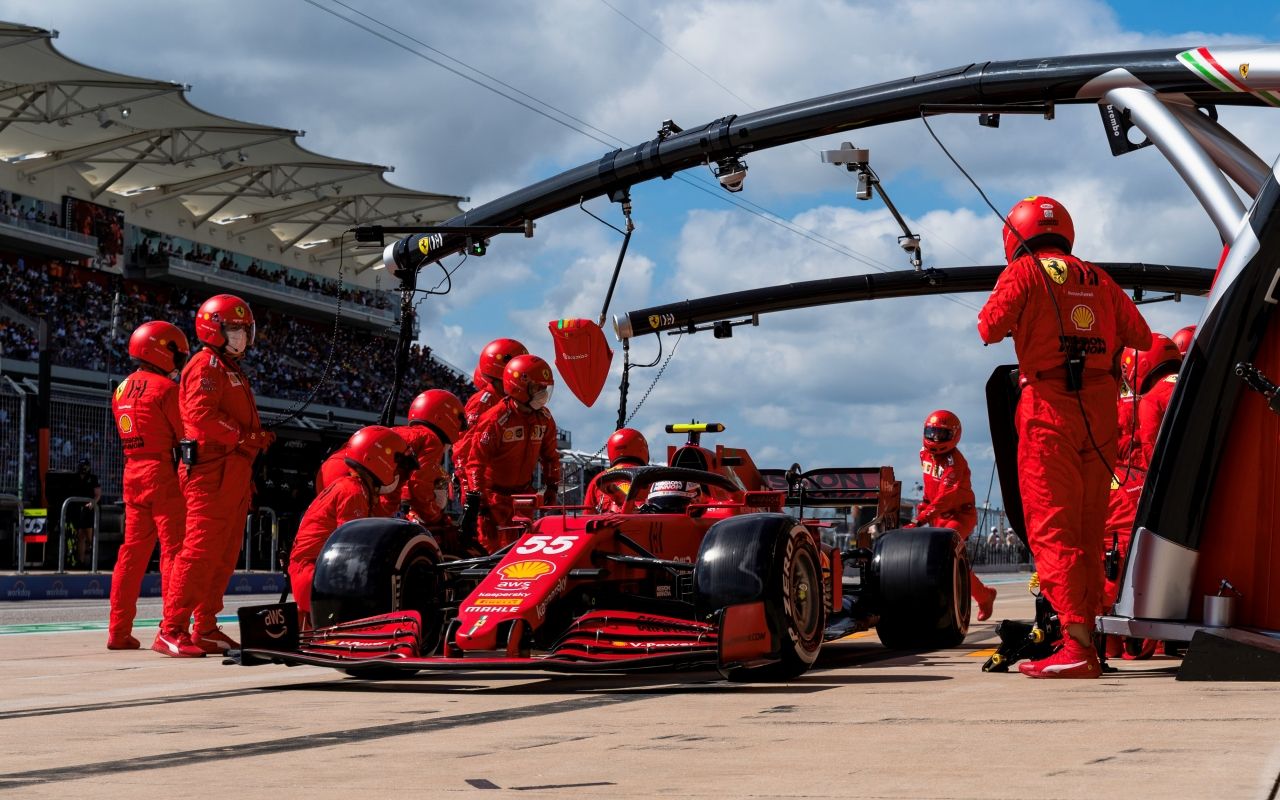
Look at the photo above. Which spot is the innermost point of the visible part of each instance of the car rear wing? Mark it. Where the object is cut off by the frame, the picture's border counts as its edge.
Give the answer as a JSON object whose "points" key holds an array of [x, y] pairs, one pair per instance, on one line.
{"points": [[836, 486]]}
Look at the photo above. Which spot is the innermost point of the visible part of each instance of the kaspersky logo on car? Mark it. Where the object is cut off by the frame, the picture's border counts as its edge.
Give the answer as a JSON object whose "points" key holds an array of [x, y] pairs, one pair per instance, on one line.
{"points": [[526, 570]]}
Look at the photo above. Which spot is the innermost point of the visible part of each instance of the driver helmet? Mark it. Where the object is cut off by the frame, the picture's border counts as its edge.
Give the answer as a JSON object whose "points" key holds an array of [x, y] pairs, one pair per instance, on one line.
{"points": [[672, 497]]}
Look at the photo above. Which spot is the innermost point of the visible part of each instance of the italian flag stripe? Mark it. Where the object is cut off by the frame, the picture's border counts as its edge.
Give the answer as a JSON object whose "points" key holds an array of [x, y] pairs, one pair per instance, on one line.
{"points": [[1207, 56], [1204, 72], [1206, 66]]}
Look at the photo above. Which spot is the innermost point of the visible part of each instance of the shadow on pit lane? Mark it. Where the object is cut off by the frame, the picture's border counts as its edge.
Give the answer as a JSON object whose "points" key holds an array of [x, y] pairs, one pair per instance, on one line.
{"points": [[820, 679]]}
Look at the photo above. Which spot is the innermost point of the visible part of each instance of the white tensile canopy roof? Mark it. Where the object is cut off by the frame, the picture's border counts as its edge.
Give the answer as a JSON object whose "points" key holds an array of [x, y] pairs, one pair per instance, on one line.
{"points": [[143, 140]]}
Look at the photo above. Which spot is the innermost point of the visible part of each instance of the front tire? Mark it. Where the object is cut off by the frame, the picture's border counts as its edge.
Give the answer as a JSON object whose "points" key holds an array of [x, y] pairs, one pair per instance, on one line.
{"points": [[378, 566], [768, 558], [923, 580]]}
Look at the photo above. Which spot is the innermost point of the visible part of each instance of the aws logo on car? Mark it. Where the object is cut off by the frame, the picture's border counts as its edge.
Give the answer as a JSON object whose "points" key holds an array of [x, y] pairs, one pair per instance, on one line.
{"points": [[529, 570]]}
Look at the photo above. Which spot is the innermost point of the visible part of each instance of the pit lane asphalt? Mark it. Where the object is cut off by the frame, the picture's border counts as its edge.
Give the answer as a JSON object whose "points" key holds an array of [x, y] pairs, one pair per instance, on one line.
{"points": [[76, 719]]}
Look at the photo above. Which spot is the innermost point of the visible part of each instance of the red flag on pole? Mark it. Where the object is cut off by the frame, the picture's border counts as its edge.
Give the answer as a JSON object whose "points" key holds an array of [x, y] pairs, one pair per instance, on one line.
{"points": [[583, 356]]}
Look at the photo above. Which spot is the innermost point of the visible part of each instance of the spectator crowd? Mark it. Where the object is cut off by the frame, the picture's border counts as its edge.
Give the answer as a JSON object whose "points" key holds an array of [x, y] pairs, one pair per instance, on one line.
{"points": [[286, 362], [159, 251]]}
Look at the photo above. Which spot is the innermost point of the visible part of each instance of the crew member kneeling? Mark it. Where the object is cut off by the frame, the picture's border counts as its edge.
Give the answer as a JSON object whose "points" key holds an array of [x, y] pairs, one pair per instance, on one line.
{"points": [[1068, 320], [375, 459]]}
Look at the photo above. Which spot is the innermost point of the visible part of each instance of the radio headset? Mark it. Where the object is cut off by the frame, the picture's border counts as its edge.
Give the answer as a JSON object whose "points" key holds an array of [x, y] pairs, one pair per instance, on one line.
{"points": [[1074, 357]]}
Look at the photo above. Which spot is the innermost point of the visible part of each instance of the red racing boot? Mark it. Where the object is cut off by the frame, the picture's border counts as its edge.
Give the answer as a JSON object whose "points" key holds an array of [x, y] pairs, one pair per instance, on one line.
{"points": [[214, 642], [176, 646], [985, 595], [1074, 660], [123, 643]]}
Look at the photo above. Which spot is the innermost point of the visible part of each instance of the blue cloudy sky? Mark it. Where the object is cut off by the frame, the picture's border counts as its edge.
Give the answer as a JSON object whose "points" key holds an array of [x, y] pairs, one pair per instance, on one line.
{"points": [[839, 385]]}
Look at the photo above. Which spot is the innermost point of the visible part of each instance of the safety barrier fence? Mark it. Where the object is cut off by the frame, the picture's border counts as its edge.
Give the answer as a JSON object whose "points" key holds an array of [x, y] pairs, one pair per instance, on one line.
{"points": [[254, 532]]}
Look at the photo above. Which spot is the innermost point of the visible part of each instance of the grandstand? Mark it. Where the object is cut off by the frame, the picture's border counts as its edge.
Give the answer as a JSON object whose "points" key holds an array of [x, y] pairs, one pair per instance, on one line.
{"points": [[120, 201]]}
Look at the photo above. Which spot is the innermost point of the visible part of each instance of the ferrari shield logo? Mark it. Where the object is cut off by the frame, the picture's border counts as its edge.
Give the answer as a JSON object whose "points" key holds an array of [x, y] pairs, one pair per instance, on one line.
{"points": [[654, 320], [1055, 269], [1244, 70]]}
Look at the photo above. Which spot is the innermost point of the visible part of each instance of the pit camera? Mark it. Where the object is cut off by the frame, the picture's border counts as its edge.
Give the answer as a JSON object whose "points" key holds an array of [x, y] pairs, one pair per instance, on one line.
{"points": [[854, 159], [731, 173]]}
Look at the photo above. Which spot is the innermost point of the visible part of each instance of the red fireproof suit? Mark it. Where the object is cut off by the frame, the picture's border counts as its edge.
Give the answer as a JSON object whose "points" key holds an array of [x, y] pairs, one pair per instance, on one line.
{"points": [[1151, 410], [504, 447], [345, 499], [609, 499], [418, 491], [1126, 428], [1123, 509], [475, 408], [145, 408], [948, 501], [218, 411], [1053, 303]]}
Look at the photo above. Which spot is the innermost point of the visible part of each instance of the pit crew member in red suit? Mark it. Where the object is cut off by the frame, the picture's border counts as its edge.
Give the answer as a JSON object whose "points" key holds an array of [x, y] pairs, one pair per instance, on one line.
{"points": [[375, 457], [435, 421], [1068, 320], [218, 414], [948, 500], [145, 408], [627, 447], [505, 446], [488, 380], [1151, 373], [1160, 381]]}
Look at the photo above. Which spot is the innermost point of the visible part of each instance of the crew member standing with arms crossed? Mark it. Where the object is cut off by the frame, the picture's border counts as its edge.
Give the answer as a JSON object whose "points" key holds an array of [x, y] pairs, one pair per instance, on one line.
{"points": [[1068, 320], [222, 435], [145, 408]]}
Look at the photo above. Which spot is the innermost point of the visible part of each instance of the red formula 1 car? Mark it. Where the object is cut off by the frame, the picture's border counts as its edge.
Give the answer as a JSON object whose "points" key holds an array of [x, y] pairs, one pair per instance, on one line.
{"points": [[730, 582]]}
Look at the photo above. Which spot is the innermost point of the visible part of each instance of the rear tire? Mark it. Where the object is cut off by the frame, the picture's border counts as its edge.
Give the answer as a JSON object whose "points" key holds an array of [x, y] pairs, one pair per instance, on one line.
{"points": [[378, 566], [767, 558], [923, 580]]}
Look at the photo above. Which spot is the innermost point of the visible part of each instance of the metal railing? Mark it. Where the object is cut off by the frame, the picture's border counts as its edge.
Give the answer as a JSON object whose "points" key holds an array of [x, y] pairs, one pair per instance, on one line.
{"points": [[248, 537], [62, 533], [48, 230], [387, 315]]}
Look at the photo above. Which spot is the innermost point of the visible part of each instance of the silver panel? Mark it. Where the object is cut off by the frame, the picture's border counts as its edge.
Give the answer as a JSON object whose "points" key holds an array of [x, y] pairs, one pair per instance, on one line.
{"points": [[1187, 157], [1157, 578], [1150, 628]]}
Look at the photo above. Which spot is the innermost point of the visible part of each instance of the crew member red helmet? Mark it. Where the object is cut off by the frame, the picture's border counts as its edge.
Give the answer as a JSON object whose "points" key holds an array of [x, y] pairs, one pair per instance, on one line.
{"points": [[220, 312], [159, 344], [1041, 221], [525, 376], [379, 452], [1140, 370], [440, 410], [1183, 338], [493, 360], [628, 444], [941, 431]]}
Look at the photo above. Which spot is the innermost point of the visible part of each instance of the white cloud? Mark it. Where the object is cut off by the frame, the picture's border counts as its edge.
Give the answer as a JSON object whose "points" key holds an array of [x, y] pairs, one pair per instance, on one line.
{"points": [[835, 385]]}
